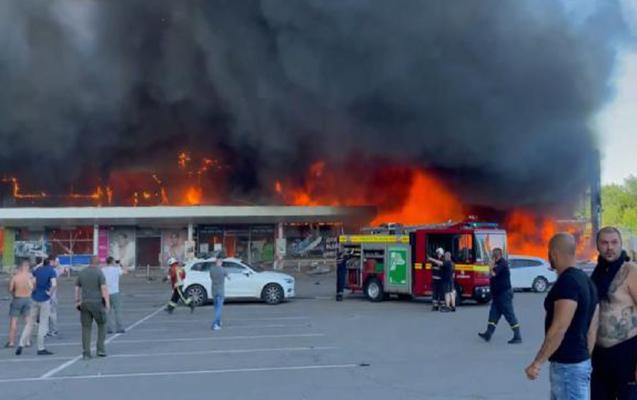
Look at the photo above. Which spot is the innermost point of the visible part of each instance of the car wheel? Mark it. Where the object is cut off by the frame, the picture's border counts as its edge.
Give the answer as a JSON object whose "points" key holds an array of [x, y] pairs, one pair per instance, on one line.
{"points": [[272, 293], [540, 284], [374, 290], [198, 295]]}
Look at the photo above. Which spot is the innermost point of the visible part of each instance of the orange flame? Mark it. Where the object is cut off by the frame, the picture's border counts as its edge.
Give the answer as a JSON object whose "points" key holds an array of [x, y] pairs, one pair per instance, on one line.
{"points": [[428, 202], [193, 196]]}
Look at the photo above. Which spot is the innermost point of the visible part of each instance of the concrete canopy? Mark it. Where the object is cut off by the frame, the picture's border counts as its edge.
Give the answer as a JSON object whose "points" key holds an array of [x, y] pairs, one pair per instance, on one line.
{"points": [[179, 216]]}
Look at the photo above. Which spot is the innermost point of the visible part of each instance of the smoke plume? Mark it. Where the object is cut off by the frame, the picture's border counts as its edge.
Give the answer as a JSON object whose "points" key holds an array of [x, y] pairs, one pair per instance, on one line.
{"points": [[495, 97]]}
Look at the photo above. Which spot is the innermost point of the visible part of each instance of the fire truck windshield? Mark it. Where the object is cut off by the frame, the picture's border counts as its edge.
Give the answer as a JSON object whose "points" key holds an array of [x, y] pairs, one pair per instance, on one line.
{"points": [[486, 242]]}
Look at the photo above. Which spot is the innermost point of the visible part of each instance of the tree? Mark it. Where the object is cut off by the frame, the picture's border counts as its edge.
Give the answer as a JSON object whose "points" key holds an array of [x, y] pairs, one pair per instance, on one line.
{"points": [[619, 205]]}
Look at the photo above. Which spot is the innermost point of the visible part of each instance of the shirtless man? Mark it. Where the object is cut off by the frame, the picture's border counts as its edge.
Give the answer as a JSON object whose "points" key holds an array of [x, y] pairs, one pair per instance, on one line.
{"points": [[20, 287], [615, 355]]}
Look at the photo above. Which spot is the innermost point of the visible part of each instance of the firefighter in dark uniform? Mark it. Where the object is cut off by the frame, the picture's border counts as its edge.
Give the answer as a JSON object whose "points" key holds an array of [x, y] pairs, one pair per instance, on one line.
{"points": [[437, 296], [177, 276], [341, 274], [502, 303]]}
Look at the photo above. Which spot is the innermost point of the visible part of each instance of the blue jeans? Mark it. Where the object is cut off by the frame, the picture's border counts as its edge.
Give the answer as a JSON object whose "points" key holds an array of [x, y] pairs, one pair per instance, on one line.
{"points": [[571, 381], [218, 309]]}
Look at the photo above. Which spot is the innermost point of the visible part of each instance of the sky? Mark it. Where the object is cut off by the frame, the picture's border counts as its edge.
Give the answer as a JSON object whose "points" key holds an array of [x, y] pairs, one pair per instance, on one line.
{"points": [[617, 124]]}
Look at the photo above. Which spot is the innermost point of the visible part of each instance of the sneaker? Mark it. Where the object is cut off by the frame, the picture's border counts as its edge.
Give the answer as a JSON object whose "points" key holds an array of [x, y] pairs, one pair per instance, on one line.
{"points": [[435, 308], [18, 351], [216, 327], [101, 354], [445, 310], [44, 353], [515, 341], [169, 310], [484, 336], [110, 331], [121, 331]]}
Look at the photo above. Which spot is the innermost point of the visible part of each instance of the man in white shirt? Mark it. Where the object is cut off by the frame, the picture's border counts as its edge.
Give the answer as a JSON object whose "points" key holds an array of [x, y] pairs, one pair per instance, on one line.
{"points": [[112, 273]]}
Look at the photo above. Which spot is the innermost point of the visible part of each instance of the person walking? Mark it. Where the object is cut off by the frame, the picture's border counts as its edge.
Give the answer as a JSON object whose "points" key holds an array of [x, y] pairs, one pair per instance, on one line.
{"points": [[112, 273], [571, 322], [437, 295], [218, 275], [177, 276], [502, 303], [615, 356], [20, 288], [93, 302], [53, 315], [45, 284]]}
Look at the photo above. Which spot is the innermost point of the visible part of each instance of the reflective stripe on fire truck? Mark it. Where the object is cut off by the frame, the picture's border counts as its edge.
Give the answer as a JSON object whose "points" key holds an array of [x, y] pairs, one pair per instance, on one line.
{"points": [[374, 239], [418, 266], [474, 268]]}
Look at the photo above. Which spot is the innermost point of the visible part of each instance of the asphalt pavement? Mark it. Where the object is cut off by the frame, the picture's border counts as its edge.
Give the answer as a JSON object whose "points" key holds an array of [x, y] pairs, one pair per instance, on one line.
{"points": [[308, 348]]}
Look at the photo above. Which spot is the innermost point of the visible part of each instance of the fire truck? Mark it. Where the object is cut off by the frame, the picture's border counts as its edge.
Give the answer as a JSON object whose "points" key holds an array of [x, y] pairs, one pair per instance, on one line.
{"points": [[393, 259]]}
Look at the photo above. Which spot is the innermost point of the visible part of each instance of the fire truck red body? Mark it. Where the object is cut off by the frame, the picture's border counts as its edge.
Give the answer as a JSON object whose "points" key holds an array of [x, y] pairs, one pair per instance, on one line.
{"points": [[393, 259]]}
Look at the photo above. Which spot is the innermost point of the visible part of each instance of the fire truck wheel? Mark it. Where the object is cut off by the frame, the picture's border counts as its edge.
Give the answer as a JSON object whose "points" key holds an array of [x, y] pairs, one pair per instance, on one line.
{"points": [[272, 294], [374, 290], [540, 284], [198, 294]]}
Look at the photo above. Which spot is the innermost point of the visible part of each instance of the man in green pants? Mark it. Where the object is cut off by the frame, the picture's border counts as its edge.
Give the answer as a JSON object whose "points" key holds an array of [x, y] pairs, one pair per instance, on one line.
{"points": [[91, 298]]}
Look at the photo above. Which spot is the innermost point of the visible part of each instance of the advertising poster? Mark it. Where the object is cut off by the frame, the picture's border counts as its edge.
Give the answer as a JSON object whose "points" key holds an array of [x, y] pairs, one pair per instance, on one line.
{"points": [[173, 245], [102, 244], [122, 246]]}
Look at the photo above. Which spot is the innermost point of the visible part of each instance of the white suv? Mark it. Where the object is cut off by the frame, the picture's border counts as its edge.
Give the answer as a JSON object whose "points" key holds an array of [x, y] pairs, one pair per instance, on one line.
{"points": [[246, 282], [531, 273]]}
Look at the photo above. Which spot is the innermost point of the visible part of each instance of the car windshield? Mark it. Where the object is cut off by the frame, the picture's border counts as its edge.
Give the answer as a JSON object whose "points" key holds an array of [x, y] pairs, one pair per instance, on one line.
{"points": [[486, 242]]}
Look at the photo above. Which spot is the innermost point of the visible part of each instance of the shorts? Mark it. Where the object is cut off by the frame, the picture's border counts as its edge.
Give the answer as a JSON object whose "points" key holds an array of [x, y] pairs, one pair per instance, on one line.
{"points": [[447, 287], [20, 307]]}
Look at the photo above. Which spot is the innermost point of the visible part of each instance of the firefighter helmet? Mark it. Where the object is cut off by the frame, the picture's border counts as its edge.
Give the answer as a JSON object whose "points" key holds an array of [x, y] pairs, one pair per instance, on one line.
{"points": [[172, 261]]}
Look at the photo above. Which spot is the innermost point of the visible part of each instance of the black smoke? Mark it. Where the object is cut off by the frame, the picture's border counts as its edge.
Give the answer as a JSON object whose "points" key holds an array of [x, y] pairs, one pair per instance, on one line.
{"points": [[496, 97]]}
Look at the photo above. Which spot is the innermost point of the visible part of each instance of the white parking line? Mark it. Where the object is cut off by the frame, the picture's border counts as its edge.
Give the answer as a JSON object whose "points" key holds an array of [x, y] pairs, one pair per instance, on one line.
{"points": [[231, 320], [67, 364], [176, 373], [200, 339], [182, 353], [232, 327]]}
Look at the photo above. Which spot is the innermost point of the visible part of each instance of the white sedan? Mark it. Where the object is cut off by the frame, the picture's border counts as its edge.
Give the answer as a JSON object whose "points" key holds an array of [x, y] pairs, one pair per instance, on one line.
{"points": [[531, 273], [245, 282]]}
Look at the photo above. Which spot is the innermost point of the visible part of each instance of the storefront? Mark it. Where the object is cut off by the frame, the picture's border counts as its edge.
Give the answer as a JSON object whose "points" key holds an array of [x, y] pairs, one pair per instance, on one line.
{"points": [[148, 237]]}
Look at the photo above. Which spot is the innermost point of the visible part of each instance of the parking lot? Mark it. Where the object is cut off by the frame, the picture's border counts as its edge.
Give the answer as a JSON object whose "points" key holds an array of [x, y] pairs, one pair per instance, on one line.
{"points": [[309, 348]]}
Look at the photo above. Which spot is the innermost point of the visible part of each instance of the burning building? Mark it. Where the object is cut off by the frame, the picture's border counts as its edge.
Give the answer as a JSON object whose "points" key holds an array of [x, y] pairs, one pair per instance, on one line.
{"points": [[427, 111]]}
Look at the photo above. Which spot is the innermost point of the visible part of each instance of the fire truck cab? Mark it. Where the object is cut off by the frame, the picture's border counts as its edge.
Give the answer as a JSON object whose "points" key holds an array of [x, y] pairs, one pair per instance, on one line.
{"points": [[392, 259]]}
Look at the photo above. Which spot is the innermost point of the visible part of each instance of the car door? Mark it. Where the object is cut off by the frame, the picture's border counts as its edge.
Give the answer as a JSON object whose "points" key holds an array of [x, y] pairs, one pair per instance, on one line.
{"points": [[199, 274], [518, 274], [237, 283]]}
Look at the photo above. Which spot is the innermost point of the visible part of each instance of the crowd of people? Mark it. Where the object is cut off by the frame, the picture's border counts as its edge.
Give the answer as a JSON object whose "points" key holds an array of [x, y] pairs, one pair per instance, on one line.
{"points": [[33, 290]]}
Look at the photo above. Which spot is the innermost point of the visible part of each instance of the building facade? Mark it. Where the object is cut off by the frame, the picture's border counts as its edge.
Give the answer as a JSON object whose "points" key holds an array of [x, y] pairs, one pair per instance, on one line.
{"points": [[149, 236]]}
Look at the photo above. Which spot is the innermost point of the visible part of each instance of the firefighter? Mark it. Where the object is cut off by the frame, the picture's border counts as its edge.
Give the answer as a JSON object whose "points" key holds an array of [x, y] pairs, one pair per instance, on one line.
{"points": [[341, 273], [437, 296], [502, 303], [177, 276]]}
